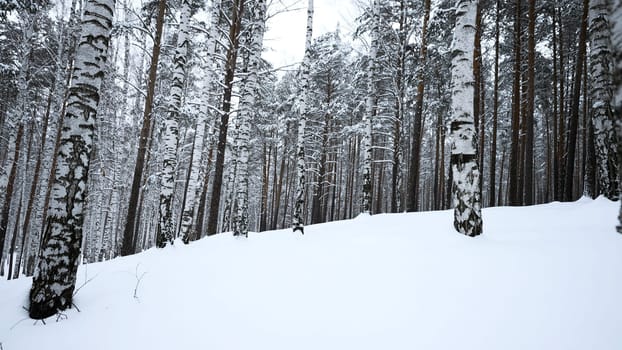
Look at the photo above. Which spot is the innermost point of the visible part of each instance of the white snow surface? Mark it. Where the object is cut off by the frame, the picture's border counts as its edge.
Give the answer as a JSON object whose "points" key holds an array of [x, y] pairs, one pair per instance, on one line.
{"points": [[541, 277]]}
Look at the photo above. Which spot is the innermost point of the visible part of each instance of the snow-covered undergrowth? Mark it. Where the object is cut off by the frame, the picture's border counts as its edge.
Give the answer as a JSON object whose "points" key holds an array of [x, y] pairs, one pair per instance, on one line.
{"points": [[542, 277]]}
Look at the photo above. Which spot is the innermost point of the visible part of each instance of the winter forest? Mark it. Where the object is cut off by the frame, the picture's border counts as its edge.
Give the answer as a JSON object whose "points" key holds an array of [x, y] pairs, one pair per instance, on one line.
{"points": [[127, 125]]}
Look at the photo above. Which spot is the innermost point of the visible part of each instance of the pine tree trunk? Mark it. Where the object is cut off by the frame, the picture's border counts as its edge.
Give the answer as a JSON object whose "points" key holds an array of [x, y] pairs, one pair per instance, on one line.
{"points": [[529, 113], [562, 110], [128, 245], [513, 186], [495, 114], [230, 67], [417, 137], [573, 124], [466, 177], [55, 278]]}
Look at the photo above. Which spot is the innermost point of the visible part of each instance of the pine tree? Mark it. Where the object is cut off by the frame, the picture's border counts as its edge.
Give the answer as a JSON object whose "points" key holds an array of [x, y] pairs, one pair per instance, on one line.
{"points": [[133, 213], [466, 175], [55, 278]]}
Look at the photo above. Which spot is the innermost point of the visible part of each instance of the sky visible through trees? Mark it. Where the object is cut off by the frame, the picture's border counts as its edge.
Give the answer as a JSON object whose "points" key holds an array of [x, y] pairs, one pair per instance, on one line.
{"points": [[126, 125]]}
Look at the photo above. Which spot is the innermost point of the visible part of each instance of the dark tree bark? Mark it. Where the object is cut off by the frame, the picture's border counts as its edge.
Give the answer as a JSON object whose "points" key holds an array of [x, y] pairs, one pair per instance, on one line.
{"points": [[415, 155], [514, 173], [573, 123], [128, 245], [529, 113], [230, 66], [495, 114]]}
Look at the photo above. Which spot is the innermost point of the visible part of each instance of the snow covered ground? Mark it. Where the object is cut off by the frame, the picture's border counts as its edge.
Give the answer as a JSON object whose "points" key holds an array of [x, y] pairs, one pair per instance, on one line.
{"points": [[542, 277]]}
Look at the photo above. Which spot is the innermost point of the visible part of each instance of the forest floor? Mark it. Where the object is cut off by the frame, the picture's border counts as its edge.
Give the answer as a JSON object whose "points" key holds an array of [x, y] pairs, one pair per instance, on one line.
{"points": [[541, 277]]}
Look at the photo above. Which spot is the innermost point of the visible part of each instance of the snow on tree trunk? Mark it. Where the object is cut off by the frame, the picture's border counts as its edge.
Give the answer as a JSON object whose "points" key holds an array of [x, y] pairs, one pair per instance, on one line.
{"points": [[466, 176], [166, 225], [602, 113], [370, 111], [616, 39], [297, 221], [247, 102], [55, 277], [187, 217]]}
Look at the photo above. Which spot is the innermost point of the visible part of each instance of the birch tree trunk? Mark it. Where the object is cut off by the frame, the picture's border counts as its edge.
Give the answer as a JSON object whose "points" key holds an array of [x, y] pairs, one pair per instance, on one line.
{"points": [[602, 112], [247, 102], [616, 39], [466, 175], [187, 218], [370, 110], [298, 215], [166, 225], [55, 277]]}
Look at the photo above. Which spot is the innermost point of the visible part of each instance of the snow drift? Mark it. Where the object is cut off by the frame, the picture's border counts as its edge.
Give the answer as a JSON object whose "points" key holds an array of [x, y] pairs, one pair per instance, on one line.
{"points": [[541, 277]]}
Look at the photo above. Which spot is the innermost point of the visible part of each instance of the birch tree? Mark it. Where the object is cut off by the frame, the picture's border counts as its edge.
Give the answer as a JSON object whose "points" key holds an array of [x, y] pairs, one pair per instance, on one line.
{"points": [[616, 38], [370, 110], [247, 101], [465, 172], [55, 278], [166, 226], [299, 205], [602, 112], [190, 205]]}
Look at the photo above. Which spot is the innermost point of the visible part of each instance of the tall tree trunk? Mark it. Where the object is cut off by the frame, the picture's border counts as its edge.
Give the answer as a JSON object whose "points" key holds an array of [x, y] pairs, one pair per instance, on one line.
{"points": [[616, 40], [417, 136], [561, 152], [529, 113], [556, 156], [166, 227], [573, 124], [55, 278], [128, 245], [247, 103], [230, 67], [4, 219], [466, 176], [370, 112], [513, 186], [602, 112], [299, 202], [495, 114]]}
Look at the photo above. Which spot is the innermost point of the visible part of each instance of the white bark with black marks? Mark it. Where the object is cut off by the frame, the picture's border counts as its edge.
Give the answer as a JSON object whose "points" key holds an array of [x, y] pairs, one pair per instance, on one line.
{"points": [[602, 112], [166, 225], [254, 44], [299, 204], [370, 110], [466, 174], [55, 277]]}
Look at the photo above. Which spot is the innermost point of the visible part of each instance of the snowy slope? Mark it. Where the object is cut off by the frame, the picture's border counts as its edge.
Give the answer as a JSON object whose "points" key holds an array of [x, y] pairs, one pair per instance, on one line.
{"points": [[543, 277]]}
